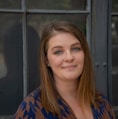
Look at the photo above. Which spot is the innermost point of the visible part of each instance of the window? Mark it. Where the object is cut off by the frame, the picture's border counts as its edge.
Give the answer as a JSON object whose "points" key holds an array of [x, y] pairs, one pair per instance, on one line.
{"points": [[21, 26], [115, 54]]}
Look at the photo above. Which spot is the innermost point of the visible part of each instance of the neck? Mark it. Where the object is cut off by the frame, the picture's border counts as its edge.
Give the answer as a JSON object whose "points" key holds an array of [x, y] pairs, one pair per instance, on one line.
{"points": [[67, 89]]}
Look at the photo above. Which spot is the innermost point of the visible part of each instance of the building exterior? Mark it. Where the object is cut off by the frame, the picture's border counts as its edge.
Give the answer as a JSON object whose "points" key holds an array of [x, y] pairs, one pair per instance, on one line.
{"points": [[21, 23]]}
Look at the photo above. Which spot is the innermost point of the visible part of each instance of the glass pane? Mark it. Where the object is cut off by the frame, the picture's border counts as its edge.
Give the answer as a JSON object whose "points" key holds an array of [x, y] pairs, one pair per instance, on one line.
{"points": [[10, 4], [33, 54], [57, 4], [115, 60], [11, 63], [36, 23], [115, 5]]}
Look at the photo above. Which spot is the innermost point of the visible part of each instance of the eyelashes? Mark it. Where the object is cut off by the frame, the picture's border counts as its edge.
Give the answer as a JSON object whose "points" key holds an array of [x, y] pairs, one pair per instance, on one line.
{"points": [[58, 52], [74, 49]]}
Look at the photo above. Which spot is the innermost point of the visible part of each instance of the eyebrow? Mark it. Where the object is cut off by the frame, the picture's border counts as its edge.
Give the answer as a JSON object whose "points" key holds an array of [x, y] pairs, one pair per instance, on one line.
{"points": [[78, 43]]}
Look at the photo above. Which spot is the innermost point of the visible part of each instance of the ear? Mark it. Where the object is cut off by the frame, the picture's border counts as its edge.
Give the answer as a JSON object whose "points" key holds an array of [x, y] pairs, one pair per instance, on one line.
{"points": [[47, 62]]}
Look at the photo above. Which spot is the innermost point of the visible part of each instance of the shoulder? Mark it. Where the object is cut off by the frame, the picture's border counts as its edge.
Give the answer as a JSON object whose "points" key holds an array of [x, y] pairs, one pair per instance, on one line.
{"points": [[102, 99], [30, 106], [33, 100], [104, 108]]}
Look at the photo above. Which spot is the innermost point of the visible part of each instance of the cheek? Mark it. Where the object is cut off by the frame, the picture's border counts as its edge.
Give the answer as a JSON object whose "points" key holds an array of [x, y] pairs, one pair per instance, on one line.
{"points": [[54, 62], [80, 59]]}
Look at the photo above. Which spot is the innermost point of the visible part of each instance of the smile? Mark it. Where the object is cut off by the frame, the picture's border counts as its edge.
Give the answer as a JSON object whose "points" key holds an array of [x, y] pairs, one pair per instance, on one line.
{"points": [[70, 67]]}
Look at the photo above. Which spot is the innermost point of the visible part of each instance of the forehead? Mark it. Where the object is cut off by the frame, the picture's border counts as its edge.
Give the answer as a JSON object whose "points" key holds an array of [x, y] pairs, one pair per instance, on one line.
{"points": [[62, 39]]}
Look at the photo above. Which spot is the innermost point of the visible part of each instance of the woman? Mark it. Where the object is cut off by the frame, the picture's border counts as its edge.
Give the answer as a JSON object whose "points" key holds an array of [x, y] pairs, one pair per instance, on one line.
{"points": [[67, 88]]}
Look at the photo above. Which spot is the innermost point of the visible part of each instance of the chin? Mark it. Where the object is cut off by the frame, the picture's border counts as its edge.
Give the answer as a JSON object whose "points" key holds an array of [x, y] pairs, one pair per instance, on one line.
{"points": [[71, 78]]}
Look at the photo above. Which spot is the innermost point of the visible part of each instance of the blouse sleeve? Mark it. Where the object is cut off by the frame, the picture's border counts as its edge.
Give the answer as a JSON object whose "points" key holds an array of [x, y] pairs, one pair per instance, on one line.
{"points": [[29, 109], [106, 109], [109, 109]]}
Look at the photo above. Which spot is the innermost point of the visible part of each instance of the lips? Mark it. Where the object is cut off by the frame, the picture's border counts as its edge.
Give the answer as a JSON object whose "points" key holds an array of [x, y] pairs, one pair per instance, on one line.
{"points": [[69, 66]]}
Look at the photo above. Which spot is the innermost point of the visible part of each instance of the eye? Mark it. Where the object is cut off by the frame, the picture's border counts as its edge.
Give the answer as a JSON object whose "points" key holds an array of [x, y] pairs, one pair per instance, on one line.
{"points": [[58, 52], [76, 49]]}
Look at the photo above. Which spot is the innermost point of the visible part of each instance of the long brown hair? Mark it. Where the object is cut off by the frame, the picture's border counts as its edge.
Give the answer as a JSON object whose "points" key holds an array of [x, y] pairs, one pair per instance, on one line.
{"points": [[86, 85]]}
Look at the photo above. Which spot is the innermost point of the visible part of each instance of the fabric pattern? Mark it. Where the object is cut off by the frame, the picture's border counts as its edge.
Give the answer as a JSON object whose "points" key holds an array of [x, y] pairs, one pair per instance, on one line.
{"points": [[31, 108]]}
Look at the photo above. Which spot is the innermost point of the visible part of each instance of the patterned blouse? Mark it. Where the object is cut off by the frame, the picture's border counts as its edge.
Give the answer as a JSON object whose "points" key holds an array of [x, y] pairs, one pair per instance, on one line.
{"points": [[31, 108]]}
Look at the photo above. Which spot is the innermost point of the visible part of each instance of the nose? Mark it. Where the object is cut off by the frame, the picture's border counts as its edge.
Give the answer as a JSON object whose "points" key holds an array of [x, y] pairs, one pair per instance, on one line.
{"points": [[69, 56]]}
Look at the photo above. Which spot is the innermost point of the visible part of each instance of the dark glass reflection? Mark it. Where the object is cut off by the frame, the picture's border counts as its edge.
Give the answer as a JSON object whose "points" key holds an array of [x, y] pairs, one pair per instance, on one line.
{"points": [[11, 85], [10, 4], [11, 82], [115, 5], [115, 60], [38, 21], [32, 58], [11, 60], [57, 4]]}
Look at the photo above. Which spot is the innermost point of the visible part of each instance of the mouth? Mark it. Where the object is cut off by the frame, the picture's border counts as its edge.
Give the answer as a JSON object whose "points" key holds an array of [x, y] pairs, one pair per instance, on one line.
{"points": [[70, 67]]}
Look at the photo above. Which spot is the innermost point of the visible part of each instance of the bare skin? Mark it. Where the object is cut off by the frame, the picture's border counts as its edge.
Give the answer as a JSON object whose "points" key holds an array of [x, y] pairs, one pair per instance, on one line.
{"points": [[68, 93]]}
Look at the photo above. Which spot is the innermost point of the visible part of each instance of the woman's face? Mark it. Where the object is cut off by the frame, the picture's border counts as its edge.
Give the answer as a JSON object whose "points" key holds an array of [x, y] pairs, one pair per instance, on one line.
{"points": [[65, 57]]}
